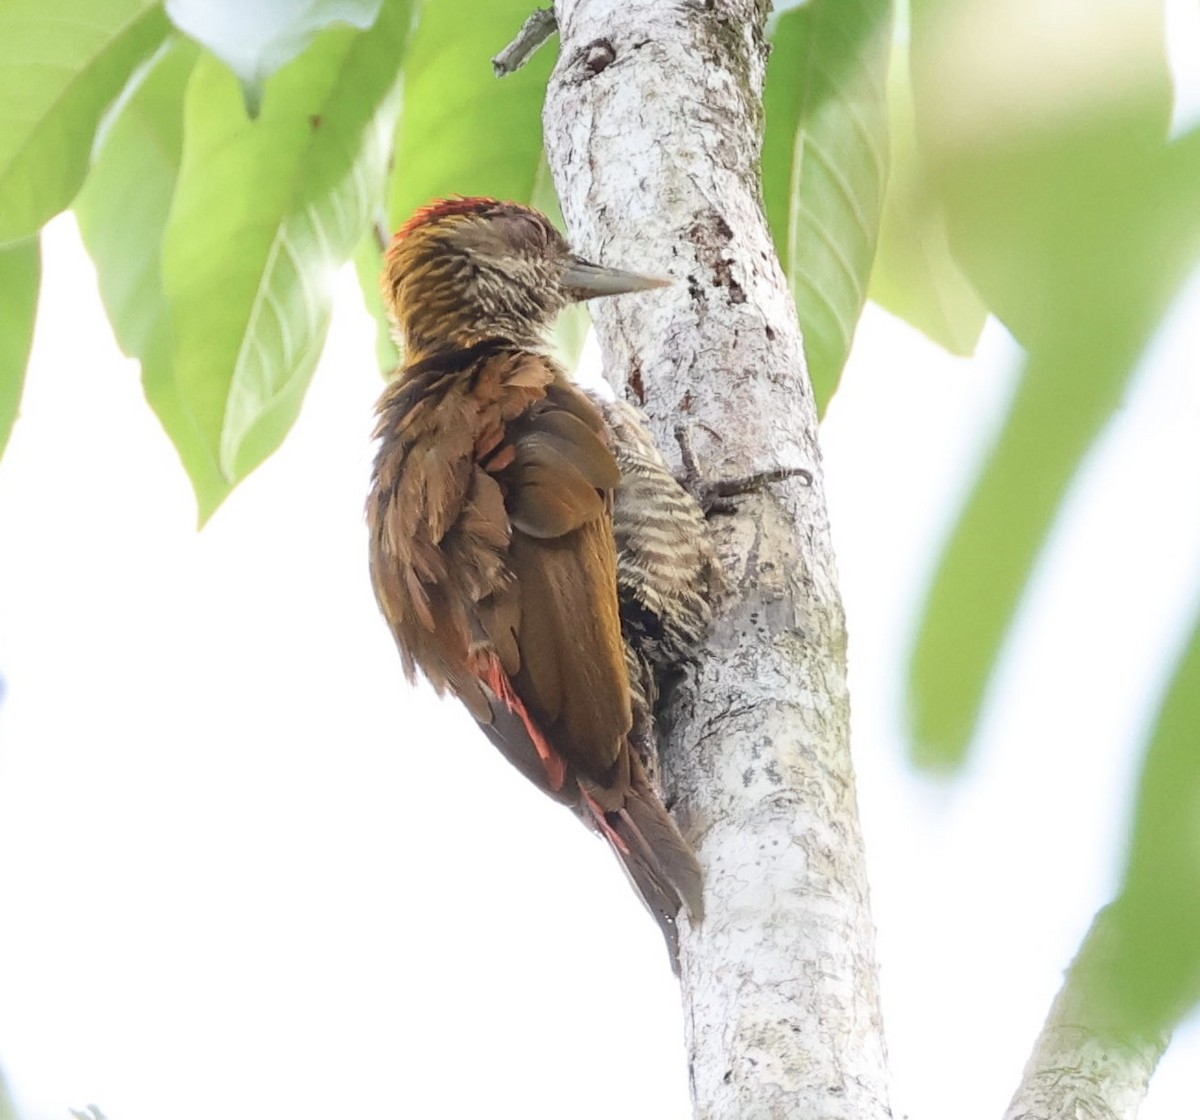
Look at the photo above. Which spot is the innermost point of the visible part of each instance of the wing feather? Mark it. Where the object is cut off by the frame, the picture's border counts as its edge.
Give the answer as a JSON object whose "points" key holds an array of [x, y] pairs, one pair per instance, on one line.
{"points": [[492, 545]]}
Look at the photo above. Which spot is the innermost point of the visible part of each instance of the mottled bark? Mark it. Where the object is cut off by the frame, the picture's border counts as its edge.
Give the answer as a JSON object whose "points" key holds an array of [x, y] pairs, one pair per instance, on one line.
{"points": [[653, 125], [1087, 1063]]}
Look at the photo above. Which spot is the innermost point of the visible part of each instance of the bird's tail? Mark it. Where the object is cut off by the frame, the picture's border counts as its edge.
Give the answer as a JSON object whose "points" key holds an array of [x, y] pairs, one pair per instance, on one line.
{"points": [[656, 857]]}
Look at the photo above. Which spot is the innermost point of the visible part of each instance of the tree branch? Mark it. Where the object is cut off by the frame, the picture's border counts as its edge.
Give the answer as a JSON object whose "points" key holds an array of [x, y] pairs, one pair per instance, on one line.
{"points": [[653, 126], [1087, 1062], [534, 32]]}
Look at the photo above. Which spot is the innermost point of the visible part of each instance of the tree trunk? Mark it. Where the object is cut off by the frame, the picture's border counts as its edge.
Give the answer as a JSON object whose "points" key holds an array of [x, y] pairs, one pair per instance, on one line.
{"points": [[653, 125]]}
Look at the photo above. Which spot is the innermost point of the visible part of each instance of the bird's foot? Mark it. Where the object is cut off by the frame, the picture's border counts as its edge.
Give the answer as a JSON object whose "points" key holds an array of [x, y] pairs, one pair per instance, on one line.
{"points": [[715, 496]]}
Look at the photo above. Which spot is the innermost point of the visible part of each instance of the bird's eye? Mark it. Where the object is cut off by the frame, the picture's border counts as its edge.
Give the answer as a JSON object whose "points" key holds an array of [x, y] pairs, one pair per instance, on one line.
{"points": [[524, 232]]}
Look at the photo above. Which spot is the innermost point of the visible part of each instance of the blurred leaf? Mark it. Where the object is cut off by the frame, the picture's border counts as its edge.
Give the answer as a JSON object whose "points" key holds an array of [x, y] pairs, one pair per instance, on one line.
{"points": [[1077, 222], [255, 40], [20, 272], [368, 264], [8, 1110], [122, 213], [61, 66], [262, 215], [1158, 977], [824, 166], [464, 131], [915, 276]]}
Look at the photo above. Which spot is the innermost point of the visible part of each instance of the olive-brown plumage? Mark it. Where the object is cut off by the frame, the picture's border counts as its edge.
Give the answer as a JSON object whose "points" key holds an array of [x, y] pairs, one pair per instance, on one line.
{"points": [[491, 523]]}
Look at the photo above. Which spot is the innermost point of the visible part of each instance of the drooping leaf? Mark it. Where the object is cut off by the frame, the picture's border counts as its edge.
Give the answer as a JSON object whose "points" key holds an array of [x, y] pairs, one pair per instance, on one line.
{"points": [[825, 166], [915, 275], [1158, 975], [263, 213], [255, 40], [122, 213], [20, 272], [1076, 221], [61, 66], [464, 131]]}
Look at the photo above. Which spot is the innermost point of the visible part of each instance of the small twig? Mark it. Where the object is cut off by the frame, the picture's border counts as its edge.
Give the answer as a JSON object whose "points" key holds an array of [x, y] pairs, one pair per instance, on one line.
{"points": [[534, 32]]}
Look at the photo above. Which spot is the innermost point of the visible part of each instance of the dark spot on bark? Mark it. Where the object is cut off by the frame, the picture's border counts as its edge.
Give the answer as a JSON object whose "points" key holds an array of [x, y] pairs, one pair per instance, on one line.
{"points": [[711, 233], [596, 56], [685, 405], [770, 332], [723, 278], [636, 385], [694, 289], [728, 1076]]}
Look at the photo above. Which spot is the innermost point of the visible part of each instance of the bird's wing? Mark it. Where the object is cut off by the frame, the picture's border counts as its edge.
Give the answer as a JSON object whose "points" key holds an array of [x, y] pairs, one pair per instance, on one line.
{"points": [[571, 675], [493, 559]]}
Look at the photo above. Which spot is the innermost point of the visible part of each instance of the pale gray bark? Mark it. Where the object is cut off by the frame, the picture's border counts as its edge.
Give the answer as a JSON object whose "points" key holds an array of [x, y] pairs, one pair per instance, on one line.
{"points": [[1087, 1064], [653, 121]]}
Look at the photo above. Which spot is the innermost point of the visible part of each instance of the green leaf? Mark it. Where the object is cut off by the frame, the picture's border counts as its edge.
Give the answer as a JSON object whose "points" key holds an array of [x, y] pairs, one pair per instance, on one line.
{"points": [[122, 213], [464, 131], [824, 166], [1158, 975], [1077, 221], [61, 66], [263, 213], [915, 275], [20, 271], [368, 264], [255, 40]]}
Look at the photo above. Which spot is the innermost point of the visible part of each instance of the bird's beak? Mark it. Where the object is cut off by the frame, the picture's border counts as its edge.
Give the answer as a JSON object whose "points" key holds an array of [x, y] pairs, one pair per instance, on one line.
{"points": [[584, 280]]}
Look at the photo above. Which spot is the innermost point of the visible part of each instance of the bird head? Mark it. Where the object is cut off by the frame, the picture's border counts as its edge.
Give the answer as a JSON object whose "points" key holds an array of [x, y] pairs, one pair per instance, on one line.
{"points": [[463, 270]]}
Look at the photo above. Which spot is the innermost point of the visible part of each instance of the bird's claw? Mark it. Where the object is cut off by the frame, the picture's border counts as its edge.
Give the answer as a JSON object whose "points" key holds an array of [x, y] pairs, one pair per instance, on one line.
{"points": [[715, 496]]}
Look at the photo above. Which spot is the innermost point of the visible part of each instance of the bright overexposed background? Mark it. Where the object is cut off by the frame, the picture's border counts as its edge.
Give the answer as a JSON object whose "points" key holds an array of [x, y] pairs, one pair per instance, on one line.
{"points": [[248, 872]]}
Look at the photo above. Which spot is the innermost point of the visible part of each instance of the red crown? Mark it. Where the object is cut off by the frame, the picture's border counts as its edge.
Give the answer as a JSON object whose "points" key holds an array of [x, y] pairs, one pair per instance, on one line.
{"points": [[444, 208]]}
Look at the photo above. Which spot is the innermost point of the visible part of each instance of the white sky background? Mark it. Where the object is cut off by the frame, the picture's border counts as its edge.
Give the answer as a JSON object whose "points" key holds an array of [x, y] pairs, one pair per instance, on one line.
{"points": [[247, 873]]}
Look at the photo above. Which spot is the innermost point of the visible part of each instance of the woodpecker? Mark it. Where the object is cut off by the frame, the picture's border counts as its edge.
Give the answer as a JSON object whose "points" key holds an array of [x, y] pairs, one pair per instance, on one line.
{"points": [[529, 549]]}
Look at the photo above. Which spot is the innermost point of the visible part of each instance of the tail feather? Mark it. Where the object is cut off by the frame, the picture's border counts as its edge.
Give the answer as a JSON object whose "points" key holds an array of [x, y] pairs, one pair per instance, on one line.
{"points": [[653, 836], [657, 859]]}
